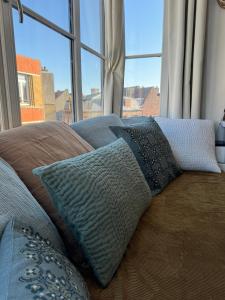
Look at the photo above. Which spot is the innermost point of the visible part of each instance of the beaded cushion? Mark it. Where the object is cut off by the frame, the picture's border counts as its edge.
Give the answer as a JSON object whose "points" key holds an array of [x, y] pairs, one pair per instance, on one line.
{"points": [[152, 151], [33, 269]]}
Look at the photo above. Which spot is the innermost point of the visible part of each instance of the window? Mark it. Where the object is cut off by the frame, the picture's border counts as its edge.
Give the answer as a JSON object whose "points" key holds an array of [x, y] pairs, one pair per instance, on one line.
{"points": [[143, 42], [55, 47], [25, 89], [92, 57]]}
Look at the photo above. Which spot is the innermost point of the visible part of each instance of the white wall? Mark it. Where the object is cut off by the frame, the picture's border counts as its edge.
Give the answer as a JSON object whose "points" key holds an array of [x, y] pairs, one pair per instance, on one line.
{"points": [[214, 69]]}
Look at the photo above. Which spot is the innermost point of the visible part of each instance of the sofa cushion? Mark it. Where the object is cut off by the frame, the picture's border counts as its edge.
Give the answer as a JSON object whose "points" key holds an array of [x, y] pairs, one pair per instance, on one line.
{"points": [[33, 269], [192, 142], [152, 152], [34, 145], [96, 131], [101, 196], [16, 200]]}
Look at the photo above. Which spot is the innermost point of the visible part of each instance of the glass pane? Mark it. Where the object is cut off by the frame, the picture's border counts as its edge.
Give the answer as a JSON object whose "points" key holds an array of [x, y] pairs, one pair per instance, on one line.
{"points": [[91, 85], [143, 26], [141, 87], [90, 23], [55, 11], [44, 72]]}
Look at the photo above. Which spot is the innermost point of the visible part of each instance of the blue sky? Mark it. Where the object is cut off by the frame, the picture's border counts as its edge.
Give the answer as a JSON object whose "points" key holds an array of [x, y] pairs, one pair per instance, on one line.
{"points": [[143, 35]]}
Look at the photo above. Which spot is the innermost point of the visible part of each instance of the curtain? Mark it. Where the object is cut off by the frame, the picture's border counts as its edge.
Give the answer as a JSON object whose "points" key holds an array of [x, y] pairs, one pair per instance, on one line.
{"points": [[115, 56], [182, 59]]}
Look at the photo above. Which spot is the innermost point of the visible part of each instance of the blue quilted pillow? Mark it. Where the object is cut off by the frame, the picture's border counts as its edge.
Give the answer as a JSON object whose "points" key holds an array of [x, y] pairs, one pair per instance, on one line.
{"points": [[101, 195]]}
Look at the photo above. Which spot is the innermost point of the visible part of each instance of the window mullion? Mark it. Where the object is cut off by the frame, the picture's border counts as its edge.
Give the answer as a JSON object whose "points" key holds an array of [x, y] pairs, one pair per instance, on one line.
{"points": [[76, 59], [10, 107], [102, 17]]}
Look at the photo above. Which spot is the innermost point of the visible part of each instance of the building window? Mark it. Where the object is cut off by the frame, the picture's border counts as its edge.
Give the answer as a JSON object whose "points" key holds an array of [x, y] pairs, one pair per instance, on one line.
{"points": [[143, 42], [25, 89]]}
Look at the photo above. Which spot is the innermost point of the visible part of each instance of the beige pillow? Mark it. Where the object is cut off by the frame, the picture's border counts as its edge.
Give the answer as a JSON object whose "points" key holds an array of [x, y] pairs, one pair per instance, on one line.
{"points": [[34, 145]]}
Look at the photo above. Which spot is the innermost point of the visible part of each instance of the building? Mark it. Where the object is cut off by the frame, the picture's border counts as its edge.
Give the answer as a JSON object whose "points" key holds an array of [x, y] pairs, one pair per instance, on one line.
{"points": [[38, 100], [141, 101], [92, 104], [30, 89], [63, 106]]}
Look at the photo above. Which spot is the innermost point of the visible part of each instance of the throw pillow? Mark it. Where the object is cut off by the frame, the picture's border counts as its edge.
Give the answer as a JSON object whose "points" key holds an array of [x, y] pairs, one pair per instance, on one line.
{"points": [[96, 130], [152, 152], [135, 120], [32, 269], [101, 196], [34, 145], [16, 200], [192, 143]]}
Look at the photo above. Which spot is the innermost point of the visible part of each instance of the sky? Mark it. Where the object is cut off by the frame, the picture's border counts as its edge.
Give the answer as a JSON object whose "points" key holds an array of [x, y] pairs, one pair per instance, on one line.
{"points": [[143, 31]]}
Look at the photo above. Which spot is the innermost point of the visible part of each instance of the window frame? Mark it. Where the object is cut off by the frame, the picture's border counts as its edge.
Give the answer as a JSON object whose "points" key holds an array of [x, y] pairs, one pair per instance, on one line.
{"points": [[9, 80]]}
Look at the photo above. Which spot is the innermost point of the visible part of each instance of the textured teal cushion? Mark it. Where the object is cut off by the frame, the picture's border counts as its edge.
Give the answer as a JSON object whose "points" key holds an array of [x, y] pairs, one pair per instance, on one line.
{"points": [[31, 268], [101, 195]]}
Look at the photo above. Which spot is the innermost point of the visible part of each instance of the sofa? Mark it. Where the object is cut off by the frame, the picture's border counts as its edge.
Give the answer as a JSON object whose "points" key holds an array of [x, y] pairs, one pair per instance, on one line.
{"points": [[177, 249]]}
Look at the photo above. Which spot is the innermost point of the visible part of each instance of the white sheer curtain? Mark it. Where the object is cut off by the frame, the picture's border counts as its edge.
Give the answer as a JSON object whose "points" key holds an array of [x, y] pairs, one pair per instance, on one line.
{"points": [[115, 56], [182, 61]]}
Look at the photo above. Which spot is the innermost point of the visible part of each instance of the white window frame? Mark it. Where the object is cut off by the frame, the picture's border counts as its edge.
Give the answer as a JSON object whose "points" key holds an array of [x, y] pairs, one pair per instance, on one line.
{"points": [[9, 95]]}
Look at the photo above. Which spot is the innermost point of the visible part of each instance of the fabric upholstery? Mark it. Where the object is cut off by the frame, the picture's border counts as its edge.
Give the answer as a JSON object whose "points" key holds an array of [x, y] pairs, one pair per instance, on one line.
{"points": [[152, 152], [30, 146], [177, 251], [101, 195], [16, 200], [192, 143], [33, 269], [96, 130]]}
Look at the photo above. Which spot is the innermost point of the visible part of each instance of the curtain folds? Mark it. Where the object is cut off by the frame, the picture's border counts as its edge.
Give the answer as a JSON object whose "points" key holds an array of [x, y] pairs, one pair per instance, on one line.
{"points": [[115, 56], [183, 55]]}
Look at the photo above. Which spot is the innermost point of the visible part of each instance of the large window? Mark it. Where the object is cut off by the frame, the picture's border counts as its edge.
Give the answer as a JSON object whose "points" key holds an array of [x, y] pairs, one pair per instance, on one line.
{"points": [[58, 50], [143, 42]]}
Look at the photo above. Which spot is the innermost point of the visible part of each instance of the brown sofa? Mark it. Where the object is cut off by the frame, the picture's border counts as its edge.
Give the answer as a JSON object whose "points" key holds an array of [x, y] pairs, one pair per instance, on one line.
{"points": [[178, 249]]}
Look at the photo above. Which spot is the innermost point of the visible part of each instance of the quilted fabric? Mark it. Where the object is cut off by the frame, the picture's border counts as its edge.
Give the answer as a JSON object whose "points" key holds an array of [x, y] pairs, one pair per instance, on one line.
{"points": [[33, 269], [101, 195], [192, 143], [16, 200], [152, 152]]}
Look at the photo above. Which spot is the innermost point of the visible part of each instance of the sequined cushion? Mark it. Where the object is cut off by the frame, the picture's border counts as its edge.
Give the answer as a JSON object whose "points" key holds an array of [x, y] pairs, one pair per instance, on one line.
{"points": [[152, 151], [32, 269]]}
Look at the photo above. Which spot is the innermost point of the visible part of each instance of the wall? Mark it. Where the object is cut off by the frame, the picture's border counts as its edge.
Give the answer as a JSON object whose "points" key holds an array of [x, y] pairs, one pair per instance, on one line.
{"points": [[214, 68]]}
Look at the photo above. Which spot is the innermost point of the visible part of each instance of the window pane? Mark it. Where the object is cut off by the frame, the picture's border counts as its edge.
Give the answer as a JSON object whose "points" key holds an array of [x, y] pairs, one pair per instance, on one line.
{"points": [[143, 26], [141, 87], [44, 72], [91, 85], [55, 11], [90, 23]]}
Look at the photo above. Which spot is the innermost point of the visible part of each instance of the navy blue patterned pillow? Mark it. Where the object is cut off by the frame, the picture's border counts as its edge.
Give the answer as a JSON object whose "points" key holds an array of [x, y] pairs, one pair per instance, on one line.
{"points": [[152, 151], [32, 269]]}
